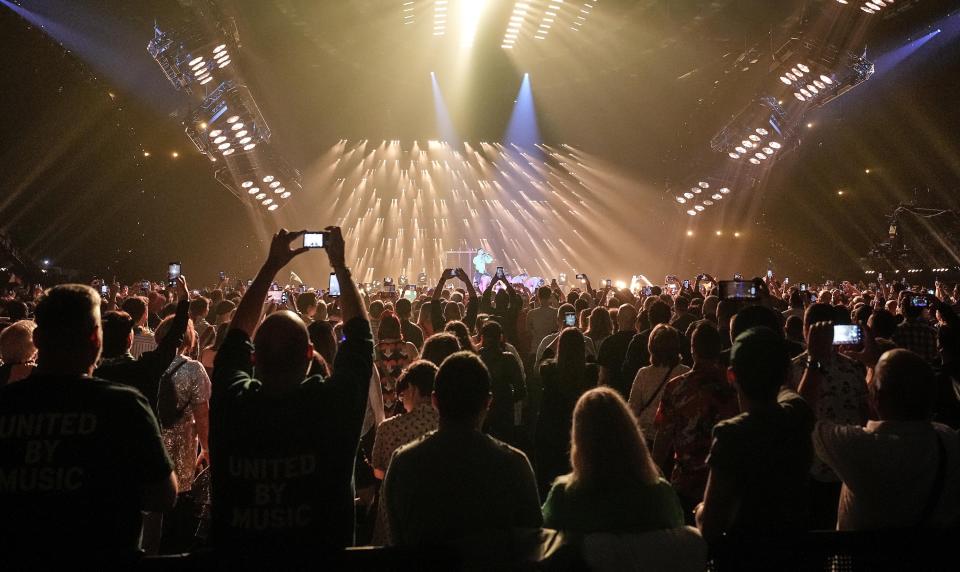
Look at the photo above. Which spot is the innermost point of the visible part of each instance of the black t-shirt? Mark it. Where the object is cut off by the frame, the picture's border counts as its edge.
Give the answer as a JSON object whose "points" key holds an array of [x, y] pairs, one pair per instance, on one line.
{"points": [[507, 387], [282, 466], [637, 356], [412, 333], [610, 355], [767, 454], [75, 454]]}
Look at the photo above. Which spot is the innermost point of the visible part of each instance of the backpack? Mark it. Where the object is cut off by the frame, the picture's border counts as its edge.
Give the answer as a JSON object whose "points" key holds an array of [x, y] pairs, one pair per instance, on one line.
{"points": [[169, 411]]}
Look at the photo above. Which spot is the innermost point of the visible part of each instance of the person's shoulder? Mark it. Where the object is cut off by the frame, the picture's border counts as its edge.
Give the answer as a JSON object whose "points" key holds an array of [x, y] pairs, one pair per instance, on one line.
{"points": [[506, 451], [733, 427], [418, 448]]}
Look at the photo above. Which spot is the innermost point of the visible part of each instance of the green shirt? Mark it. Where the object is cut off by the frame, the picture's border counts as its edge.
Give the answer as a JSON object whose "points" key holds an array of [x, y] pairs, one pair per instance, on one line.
{"points": [[634, 508]]}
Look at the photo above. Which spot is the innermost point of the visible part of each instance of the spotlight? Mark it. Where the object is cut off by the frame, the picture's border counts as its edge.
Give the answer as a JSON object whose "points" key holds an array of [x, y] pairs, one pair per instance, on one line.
{"points": [[234, 121], [188, 56], [736, 234], [174, 154], [689, 233], [262, 176]]}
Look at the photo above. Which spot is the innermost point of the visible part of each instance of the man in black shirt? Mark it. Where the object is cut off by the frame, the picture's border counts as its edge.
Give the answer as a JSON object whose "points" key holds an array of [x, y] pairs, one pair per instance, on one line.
{"points": [[411, 332], [283, 445], [143, 373], [759, 460], [638, 354], [613, 350], [506, 382], [80, 457]]}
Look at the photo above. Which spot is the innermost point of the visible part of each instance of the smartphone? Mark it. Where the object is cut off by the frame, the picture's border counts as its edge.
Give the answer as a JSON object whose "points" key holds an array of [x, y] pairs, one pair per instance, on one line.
{"points": [[104, 290], [931, 291], [249, 283], [314, 239], [570, 319], [500, 273], [813, 297], [333, 290], [647, 291], [608, 282], [686, 284], [769, 274], [737, 290], [145, 286], [389, 280], [786, 279], [390, 288], [410, 293], [803, 286], [223, 275], [738, 276], [847, 335], [880, 276], [173, 272], [275, 296], [581, 276], [918, 301]]}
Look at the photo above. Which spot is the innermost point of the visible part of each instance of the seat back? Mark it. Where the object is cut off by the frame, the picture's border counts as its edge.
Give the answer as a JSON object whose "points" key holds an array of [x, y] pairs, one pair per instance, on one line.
{"points": [[674, 550]]}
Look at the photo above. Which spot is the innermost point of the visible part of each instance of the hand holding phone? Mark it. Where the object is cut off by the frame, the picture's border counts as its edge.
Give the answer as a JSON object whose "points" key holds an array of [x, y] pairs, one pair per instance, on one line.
{"points": [[334, 286], [314, 239], [570, 319], [173, 272]]}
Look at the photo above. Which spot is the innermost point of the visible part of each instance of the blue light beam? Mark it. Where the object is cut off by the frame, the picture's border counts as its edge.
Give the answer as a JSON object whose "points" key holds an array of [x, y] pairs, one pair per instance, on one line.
{"points": [[523, 129], [444, 123]]}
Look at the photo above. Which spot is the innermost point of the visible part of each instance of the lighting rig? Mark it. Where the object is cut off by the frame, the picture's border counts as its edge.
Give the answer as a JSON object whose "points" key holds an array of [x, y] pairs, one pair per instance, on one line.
{"points": [[224, 122]]}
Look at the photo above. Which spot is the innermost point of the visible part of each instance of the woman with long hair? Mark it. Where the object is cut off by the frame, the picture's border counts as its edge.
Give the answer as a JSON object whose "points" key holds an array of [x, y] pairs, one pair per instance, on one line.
{"points": [[614, 484], [600, 326], [392, 354], [459, 329], [565, 378]]}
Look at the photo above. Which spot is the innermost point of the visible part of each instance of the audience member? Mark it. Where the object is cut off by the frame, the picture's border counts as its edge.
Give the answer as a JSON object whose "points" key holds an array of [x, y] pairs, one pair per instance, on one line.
{"points": [[17, 351], [648, 385]]}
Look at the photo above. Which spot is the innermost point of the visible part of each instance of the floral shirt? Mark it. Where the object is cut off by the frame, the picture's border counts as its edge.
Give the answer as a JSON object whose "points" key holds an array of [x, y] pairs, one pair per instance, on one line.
{"points": [[391, 358], [690, 407], [843, 399]]}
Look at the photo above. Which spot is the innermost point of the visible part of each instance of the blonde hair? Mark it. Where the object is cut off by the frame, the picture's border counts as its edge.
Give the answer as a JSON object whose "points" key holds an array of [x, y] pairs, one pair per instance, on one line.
{"points": [[606, 443], [16, 342]]}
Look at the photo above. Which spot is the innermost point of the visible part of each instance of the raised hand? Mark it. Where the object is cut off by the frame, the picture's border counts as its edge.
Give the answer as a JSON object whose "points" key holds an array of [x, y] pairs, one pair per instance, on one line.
{"points": [[335, 247], [280, 251]]}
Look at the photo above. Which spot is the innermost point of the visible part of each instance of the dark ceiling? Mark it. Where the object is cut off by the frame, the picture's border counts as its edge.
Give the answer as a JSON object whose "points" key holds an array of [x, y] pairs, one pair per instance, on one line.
{"points": [[642, 88]]}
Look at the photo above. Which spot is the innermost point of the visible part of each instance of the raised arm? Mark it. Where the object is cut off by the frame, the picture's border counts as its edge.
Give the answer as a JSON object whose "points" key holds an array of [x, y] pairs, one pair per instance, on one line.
{"points": [[351, 305], [171, 343]]}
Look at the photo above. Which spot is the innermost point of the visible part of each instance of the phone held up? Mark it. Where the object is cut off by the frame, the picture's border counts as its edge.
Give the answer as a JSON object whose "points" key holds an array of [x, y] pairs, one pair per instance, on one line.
{"points": [[738, 290], [570, 319], [847, 335], [334, 286], [315, 239], [173, 272]]}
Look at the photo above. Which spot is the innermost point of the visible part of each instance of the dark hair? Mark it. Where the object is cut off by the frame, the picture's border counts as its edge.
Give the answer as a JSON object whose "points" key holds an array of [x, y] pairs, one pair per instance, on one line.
{"points": [[136, 308], [305, 301], [459, 329], [199, 305], [760, 362], [389, 328], [753, 317], [544, 292], [117, 327], [794, 327], [323, 340], [462, 387], [681, 303], [16, 310], [420, 374], [168, 309], [491, 329], [571, 361], [66, 315], [883, 323], [818, 312], [706, 342], [664, 346], [404, 308], [439, 346], [796, 301], [376, 308], [659, 313]]}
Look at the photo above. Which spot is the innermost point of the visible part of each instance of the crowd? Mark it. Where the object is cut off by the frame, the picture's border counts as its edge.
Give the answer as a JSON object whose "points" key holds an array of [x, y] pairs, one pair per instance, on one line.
{"points": [[257, 417]]}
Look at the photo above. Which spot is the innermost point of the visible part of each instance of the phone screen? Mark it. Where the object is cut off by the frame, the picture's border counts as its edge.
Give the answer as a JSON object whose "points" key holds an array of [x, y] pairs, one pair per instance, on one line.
{"points": [[847, 335], [313, 240], [647, 290], [737, 290], [223, 275], [686, 284], [334, 288], [391, 288], [570, 319], [803, 287], [500, 272], [173, 271], [275, 296], [104, 290], [769, 274], [145, 285], [918, 301]]}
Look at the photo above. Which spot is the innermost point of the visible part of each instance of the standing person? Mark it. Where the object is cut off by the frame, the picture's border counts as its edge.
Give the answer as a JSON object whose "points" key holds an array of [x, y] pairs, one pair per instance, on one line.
{"points": [[143, 340], [692, 404], [82, 431], [843, 401], [565, 379], [411, 332], [415, 388], [283, 445], [759, 460], [614, 485], [898, 472], [439, 314], [613, 350], [506, 307], [638, 354], [648, 386], [600, 326], [915, 333], [542, 320], [206, 333], [506, 381], [457, 481], [392, 354], [17, 351], [184, 414]]}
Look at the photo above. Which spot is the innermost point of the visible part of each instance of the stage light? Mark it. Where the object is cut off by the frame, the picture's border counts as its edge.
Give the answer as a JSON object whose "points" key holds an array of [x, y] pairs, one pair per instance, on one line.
{"points": [[736, 235], [229, 105], [867, 171], [688, 195], [719, 233], [725, 190], [754, 161], [681, 200], [146, 153], [692, 212], [689, 233], [189, 55], [733, 155], [840, 192], [809, 125], [716, 196], [698, 208], [703, 185], [174, 154], [775, 145]]}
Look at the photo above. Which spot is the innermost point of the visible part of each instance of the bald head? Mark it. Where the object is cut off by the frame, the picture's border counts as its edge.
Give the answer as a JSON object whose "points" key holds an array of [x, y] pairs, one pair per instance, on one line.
{"points": [[626, 317], [904, 387], [282, 349]]}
